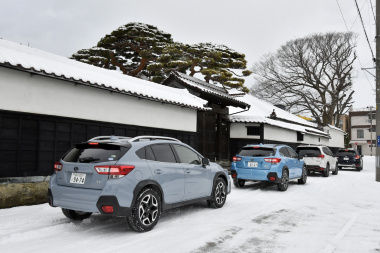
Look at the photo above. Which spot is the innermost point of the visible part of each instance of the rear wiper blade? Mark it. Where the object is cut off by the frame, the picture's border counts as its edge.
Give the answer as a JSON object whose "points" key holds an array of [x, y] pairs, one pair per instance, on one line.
{"points": [[88, 159]]}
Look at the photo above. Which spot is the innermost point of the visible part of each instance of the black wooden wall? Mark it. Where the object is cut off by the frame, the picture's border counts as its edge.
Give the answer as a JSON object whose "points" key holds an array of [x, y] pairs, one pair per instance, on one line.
{"points": [[31, 143]]}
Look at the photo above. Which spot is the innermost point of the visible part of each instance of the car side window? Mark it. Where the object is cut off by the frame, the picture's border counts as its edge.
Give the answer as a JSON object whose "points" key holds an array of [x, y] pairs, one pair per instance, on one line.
{"points": [[146, 153], [186, 155], [284, 152], [292, 153], [324, 149], [163, 153]]}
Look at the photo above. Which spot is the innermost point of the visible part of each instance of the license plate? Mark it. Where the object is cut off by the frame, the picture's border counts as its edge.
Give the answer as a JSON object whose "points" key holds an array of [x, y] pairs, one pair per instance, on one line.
{"points": [[252, 164], [345, 158], [77, 178]]}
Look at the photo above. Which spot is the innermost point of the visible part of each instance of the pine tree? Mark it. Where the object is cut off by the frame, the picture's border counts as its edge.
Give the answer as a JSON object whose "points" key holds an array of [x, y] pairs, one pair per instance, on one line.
{"points": [[143, 51]]}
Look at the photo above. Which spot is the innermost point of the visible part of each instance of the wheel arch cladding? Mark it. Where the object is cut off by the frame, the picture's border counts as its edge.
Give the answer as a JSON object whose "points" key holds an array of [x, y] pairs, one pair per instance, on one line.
{"points": [[148, 184], [220, 175]]}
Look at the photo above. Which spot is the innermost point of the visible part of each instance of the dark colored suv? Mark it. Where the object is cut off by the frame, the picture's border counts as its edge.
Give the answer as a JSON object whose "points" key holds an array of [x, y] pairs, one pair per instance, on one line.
{"points": [[349, 158]]}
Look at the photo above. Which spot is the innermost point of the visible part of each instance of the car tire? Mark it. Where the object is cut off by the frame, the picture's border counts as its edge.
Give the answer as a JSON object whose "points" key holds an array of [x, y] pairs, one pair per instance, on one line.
{"points": [[335, 172], [303, 178], [283, 185], [75, 215], [239, 183], [146, 211], [326, 172], [219, 194]]}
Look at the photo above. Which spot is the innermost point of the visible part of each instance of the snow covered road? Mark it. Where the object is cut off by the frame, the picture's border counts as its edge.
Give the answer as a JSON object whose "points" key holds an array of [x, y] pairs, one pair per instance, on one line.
{"points": [[335, 214]]}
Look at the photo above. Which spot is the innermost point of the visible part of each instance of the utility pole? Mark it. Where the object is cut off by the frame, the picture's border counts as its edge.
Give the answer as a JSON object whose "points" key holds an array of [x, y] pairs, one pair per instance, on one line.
{"points": [[370, 130], [377, 65]]}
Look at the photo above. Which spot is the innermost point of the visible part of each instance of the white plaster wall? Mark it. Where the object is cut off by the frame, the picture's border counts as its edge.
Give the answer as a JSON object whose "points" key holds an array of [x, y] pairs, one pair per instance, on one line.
{"points": [[279, 134], [239, 130], [337, 137], [367, 134], [23, 92], [361, 120]]}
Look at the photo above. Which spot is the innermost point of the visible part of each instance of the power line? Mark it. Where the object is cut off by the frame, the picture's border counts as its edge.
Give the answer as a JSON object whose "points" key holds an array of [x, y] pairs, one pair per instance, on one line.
{"points": [[341, 13], [360, 63], [365, 32], [374, 17]]}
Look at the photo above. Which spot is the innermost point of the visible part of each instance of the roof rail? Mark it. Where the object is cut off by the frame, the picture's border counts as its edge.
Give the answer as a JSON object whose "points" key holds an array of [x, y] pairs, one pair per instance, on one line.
{"points": [[138, 138], [110, 138]]}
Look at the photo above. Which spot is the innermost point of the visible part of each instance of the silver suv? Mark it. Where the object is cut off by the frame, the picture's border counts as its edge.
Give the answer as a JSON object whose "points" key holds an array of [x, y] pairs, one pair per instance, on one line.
{"points": [[136, 178], [318, 158]]}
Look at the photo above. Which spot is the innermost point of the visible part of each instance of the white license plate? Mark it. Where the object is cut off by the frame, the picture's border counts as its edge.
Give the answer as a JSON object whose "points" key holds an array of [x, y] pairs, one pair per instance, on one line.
{"points": [[345, 158], [77, 178], [252, 164]]}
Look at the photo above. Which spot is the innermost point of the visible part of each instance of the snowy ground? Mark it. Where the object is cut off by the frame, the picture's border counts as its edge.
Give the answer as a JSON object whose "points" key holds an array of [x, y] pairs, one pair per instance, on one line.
{"points": [[335, 214]]}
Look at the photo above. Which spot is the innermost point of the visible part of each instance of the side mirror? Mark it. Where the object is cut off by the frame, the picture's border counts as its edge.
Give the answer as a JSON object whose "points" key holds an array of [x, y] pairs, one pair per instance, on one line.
{"points": [[205, 162]]}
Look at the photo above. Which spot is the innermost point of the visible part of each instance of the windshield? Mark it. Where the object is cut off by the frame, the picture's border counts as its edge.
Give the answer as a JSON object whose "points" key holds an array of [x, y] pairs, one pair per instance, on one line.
{"points": [[346, 153], [85, 153], [250, 151], [308, 152]]}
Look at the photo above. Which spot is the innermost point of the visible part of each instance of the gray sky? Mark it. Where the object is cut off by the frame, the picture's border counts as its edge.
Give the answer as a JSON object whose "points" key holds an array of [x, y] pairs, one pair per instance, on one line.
{"points": [[251, 27]]}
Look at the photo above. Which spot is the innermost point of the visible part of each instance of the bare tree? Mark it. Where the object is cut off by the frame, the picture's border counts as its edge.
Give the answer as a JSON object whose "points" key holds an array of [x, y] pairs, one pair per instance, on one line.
{"points": [[310, 75]]}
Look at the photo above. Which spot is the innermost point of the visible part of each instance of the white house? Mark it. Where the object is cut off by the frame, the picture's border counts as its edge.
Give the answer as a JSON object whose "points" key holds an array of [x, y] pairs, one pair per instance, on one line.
{"points": [[362, 136]]}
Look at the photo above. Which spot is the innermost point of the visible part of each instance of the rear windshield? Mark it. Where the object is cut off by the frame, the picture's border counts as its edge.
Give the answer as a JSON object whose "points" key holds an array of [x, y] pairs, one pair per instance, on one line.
{"points": [[346, 153], [250, 151], [308, 152], [85, 153]]}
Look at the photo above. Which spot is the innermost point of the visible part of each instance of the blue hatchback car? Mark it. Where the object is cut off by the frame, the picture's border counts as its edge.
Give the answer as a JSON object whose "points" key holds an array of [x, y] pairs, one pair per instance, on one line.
{"points": [[136, 178], [271, 163]]}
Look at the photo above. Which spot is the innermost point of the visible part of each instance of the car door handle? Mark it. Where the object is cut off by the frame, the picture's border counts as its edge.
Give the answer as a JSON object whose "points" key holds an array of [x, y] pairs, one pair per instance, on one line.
{"points": [[158, 171], [188, 171]]}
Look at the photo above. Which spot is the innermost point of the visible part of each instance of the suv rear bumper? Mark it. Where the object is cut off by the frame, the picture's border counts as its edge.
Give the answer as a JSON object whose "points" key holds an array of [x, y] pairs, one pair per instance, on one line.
{"points": [[314, 168]]}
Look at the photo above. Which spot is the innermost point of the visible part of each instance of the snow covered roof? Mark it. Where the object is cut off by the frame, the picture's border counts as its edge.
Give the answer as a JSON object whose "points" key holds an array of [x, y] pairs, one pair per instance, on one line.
{"points": [[336, 128], [33, 60], [259, 113], [213, 89]]}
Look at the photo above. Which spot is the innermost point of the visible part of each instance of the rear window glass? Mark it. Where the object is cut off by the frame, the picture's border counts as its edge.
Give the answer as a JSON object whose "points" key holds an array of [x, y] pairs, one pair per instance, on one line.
{"points": [[308, 152], [85, 153], [250, 151], [346, 153]]}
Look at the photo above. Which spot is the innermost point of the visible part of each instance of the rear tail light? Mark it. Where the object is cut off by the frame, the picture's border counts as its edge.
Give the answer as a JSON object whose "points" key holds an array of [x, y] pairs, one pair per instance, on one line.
{"points": [[357, 157], [272, 160], [236, 158], [107, 209], [321, 156], [58, 166], [114, 171]]}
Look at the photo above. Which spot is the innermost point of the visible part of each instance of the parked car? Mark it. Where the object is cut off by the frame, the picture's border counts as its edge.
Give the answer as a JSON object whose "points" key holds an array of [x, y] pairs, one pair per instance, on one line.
{"points": [[318, 158], [136, 178], [349, 158], [270, 163]]}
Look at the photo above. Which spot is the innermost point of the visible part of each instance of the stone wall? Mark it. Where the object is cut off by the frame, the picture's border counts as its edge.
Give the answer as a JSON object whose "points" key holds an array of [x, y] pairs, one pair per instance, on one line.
{"points": [[13, 193]]}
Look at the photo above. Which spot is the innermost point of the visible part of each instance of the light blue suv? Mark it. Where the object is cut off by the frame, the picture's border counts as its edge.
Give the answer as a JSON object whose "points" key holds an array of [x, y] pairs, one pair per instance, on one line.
{"points": [[271, 163], [136, 178]]}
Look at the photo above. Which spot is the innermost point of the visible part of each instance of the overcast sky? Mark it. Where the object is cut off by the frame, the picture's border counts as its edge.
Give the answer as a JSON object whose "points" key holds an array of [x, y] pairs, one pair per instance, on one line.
{"points": [[251, 27]]}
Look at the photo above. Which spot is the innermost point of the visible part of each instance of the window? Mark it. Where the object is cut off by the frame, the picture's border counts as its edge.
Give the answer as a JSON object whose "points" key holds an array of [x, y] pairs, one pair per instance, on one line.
{"points": [[284, 152], [250, 151], [163, 153], [292, 153], [360, 133], [86, 153], [253, 130], [186, 155], [308, 151], [146, 153], [299, 136]]}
